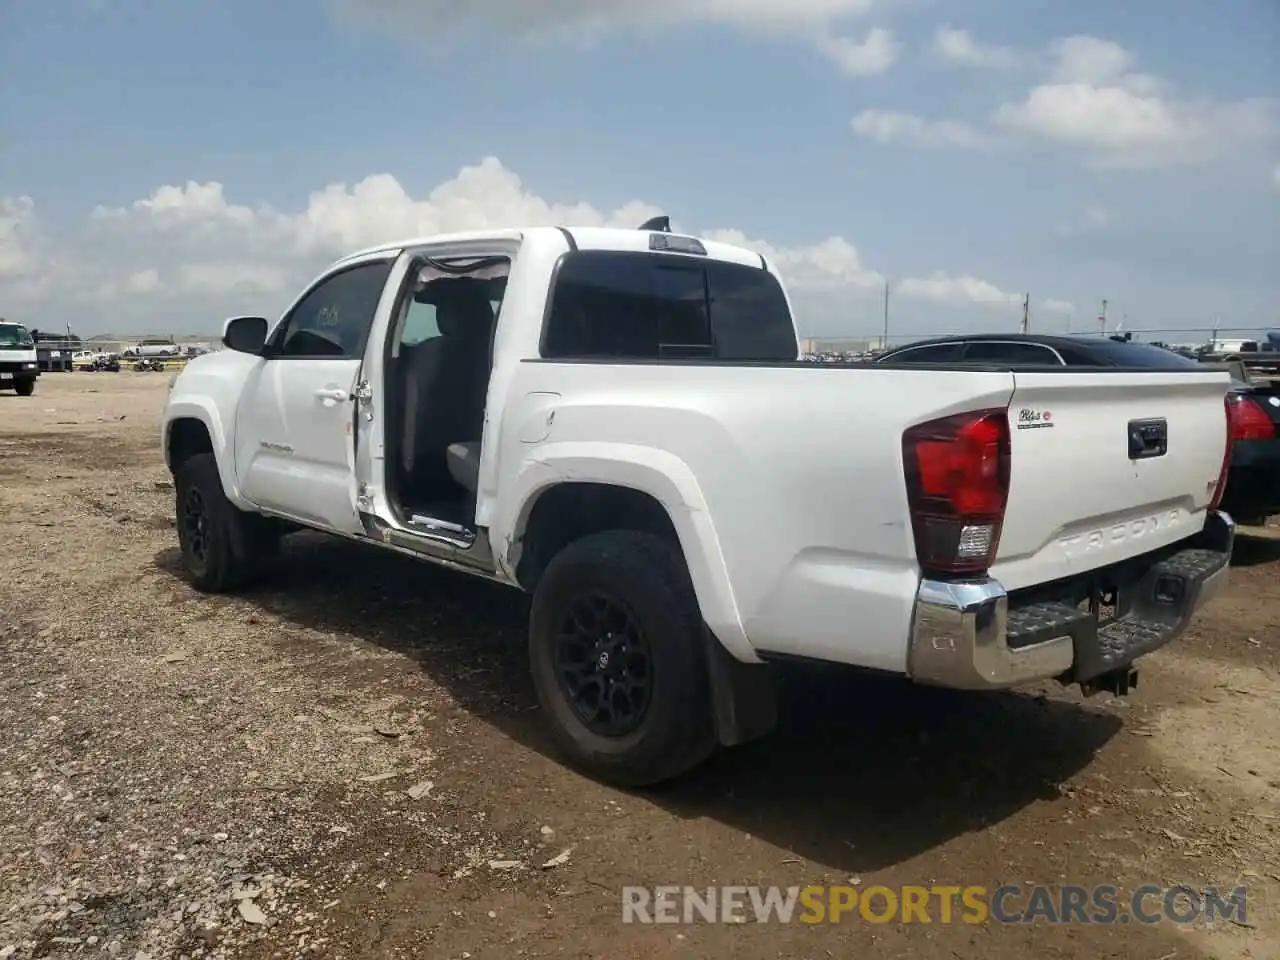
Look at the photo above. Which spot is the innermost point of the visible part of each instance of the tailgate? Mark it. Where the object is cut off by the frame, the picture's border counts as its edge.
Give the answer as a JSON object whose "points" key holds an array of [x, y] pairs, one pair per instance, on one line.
{"points": [[1083, 492]]}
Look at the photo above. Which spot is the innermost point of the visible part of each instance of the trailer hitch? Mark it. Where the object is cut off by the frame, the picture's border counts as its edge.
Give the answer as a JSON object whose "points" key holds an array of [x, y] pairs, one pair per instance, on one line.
{"points": [[1116, 682]]}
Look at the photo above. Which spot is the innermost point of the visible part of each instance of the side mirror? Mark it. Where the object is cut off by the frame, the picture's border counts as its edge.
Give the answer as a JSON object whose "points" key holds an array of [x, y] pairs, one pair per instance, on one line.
{"points": [[245, 334]]}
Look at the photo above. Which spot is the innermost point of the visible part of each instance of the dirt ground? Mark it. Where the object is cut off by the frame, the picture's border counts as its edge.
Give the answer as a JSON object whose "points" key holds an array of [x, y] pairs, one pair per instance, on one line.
{"points": [[348, 762]]}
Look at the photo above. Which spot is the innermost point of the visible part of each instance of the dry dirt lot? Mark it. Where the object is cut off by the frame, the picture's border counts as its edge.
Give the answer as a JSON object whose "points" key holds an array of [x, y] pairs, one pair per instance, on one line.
{"points": [[166, 757]]}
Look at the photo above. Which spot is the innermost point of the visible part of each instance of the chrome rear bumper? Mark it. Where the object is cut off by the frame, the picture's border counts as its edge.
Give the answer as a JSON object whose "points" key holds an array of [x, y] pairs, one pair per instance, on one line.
{"points": [[967, 636]]}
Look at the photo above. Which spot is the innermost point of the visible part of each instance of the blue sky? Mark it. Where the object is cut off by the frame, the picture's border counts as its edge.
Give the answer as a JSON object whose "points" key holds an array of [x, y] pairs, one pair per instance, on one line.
{"points": [[965, 152]]}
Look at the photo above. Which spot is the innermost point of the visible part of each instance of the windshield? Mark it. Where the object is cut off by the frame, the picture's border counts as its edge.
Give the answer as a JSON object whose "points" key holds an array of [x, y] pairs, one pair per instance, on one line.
{"points": [[15, 335]]}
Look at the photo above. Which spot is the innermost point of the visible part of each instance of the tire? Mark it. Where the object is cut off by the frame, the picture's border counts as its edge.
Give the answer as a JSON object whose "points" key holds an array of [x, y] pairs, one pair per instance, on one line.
{"points": [[643, 580], [24, 388], [222, 546]]}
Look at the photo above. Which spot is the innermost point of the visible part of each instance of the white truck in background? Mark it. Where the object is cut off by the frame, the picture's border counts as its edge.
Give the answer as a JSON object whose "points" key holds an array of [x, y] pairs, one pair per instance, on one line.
{"points": [[617, 421], [19, 363]]}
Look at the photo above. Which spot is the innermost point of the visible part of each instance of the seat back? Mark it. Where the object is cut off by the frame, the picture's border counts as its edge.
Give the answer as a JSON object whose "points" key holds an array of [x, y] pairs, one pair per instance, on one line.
{"points": [[446, 379]]}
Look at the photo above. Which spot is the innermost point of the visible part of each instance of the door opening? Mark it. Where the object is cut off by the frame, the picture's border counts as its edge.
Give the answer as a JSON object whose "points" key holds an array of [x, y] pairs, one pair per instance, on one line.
{"points": [[440, 354]]}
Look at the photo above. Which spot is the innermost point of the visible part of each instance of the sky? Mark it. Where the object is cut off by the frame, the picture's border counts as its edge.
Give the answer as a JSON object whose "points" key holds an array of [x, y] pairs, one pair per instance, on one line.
{"points": [[166, 165]]}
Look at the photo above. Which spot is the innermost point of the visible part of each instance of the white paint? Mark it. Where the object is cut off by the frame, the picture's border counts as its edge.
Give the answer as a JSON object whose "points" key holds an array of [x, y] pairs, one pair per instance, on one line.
{"points": [[784, 483]]}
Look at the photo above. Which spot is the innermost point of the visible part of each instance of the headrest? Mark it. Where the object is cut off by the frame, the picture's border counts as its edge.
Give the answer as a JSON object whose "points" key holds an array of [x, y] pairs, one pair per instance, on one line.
{"points": [[462, 306]]}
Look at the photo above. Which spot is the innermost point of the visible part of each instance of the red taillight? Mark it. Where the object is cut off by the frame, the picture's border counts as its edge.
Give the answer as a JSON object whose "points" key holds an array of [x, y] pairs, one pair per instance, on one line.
{"points": [[957, 473], [1248, 419]]}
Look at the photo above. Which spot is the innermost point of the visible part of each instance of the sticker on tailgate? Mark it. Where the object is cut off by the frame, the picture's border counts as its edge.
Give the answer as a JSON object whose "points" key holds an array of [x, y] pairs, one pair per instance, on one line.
{"points": [[1034, 419]]}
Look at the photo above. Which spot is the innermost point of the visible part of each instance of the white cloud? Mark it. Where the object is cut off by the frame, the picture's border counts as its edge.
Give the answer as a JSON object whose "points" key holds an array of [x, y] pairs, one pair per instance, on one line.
{"points": [[890, 126], [1084, 59], [1096, 216], [814, 22], [17, 240], [1091, 219], [139, 282], [960, 47], [945, 288], [874, 54], [188, 255], [1094, 101], [428, 19], [829, 265]]}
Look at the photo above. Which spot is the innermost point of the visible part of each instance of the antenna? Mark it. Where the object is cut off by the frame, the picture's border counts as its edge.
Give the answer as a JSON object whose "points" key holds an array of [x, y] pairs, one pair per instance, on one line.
{"points": [[657, 224]]}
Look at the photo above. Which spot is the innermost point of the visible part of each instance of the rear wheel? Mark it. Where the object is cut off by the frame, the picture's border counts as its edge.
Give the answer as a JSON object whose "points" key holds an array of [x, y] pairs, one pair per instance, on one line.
{"points": [[25, 388], [222, 546], [618, 657]]}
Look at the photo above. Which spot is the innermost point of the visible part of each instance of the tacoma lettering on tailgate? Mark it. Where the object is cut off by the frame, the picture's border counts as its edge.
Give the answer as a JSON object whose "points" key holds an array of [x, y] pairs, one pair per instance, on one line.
{"points": [[1091, 541]]}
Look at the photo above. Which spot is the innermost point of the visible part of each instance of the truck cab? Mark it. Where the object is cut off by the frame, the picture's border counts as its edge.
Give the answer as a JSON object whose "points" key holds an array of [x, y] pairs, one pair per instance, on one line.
{"points": [[19, 364]]}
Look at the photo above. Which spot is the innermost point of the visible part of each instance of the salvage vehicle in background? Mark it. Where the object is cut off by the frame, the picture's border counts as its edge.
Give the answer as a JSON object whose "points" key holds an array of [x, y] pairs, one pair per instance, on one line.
{"points": [[619, 422], [1260, 357], [19, 364], [1252, 492]]}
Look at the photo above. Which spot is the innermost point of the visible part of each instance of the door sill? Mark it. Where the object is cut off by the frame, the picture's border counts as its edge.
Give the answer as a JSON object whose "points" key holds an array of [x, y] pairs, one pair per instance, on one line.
{"points": [[437, 540], [446, 530]]}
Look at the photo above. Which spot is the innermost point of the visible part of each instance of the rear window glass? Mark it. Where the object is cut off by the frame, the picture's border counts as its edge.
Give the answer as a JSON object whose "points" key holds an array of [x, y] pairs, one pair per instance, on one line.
{"points": [[616, 304], [1140, 355]]}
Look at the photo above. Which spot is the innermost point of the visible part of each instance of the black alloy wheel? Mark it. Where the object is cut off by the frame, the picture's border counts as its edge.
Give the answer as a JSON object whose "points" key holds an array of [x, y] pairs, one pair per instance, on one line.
{"points": [[195, 525], [604, 664]]}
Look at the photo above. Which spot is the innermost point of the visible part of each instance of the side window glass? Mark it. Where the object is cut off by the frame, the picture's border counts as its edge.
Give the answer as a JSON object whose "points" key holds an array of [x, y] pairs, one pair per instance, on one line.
{"points": [[996, 352], [628, 305], [333, 319], [941, 353], [419, 324]]}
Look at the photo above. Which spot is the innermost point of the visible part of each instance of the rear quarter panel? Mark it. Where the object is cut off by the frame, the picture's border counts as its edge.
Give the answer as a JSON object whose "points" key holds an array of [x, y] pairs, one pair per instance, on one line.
{"points": [[785, 484]]}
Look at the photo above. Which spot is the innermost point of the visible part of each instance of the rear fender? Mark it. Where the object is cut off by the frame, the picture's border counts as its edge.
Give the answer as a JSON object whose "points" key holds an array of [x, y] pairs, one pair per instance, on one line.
{"points": [[662, 476]]}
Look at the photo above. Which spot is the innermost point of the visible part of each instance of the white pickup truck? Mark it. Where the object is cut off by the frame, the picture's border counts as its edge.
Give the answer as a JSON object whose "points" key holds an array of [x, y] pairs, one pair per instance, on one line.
{"points": [[617, 422], [19, 364]]}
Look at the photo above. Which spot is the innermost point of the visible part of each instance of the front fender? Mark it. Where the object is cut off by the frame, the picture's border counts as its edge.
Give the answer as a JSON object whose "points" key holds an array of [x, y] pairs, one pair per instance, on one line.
{"points": [[661, 475], [204, 410]]}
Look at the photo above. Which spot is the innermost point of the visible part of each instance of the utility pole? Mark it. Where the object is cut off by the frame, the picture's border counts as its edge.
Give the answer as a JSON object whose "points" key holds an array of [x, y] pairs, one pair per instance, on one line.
{"points": [[884, 340], [1026, 314], [1102, 319]]}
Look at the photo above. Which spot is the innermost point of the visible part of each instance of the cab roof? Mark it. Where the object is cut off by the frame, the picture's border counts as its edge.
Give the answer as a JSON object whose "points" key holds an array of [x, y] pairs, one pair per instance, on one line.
{"points": [[580, 238]]}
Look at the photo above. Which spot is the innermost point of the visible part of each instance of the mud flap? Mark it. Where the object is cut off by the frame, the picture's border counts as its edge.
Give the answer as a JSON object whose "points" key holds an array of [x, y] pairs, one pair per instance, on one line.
{"points": [[744, 699]]}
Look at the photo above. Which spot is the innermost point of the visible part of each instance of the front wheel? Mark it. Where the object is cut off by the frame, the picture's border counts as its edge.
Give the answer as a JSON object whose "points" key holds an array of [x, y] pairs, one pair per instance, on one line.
{"points": [[617, 649], [25, 388], [222, 546]]}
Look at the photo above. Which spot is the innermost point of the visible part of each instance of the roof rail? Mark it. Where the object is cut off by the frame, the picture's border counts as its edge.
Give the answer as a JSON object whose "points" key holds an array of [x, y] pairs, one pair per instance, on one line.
{"points": [[658, 224]]}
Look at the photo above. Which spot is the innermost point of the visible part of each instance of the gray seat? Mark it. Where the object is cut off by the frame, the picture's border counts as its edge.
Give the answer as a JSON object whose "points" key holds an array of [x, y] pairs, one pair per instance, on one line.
{"points": [[445, 385], [464, 464]]}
